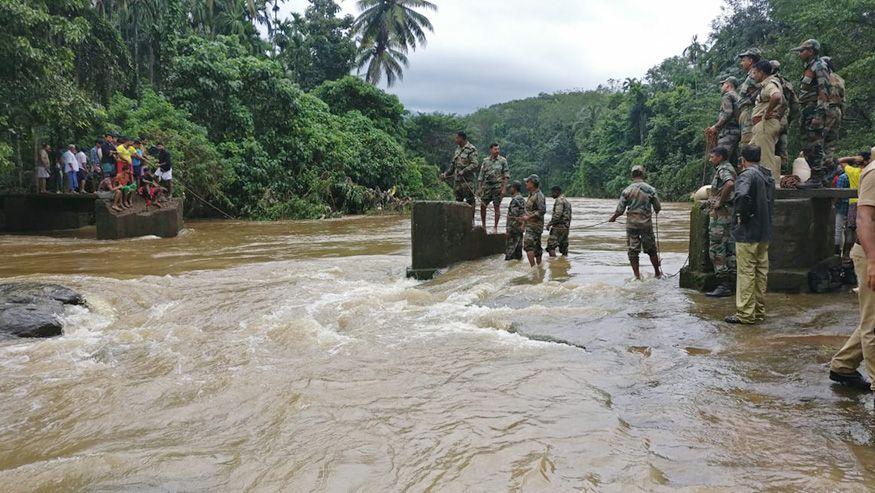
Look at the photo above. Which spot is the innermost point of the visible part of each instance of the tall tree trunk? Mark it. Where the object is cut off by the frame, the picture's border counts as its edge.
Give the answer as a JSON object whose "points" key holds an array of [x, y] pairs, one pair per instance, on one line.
{"points": [[18, 159], [136, 24]]}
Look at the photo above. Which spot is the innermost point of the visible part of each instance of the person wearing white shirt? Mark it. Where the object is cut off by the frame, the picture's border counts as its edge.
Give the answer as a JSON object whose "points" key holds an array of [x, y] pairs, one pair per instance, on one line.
{"points": [[82, 174], [71, 167]]}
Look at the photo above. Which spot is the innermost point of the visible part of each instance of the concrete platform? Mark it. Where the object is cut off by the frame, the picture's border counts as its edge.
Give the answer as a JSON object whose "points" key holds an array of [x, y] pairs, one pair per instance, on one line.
{"points": [[442, 234], [165, 222], [802, 246], [30, 212]]}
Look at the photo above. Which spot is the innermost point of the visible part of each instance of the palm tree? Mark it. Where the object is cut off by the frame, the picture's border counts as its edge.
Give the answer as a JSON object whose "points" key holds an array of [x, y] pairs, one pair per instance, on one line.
{"points": [[388, 30]]}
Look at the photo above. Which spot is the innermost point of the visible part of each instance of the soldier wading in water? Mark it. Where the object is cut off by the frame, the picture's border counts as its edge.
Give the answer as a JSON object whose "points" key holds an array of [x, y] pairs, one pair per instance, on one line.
{"points": [[513, 249], [536, 207], [639, 201]]}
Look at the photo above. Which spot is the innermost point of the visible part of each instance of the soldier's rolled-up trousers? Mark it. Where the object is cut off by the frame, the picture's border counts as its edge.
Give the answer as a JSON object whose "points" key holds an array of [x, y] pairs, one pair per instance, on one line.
{"points": [[860, 346], [721, 248], [765, 135], [812, 122], [513, 245], [752, 267]]}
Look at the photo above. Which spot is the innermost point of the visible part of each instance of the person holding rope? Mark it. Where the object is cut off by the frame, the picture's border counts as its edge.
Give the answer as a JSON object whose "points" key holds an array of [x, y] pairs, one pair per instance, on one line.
{"points": [[463, 171], [639, 202], [560, 224]]}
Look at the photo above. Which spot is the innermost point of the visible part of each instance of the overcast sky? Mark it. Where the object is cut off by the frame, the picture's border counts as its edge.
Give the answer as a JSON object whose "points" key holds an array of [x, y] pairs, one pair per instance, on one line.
{"points": [[484, 52]]}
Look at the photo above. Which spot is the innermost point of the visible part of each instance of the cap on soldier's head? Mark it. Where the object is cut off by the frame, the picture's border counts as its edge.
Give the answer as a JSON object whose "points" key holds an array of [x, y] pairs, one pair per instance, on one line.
{"points": [[731, 79], [751, 52], [534, 179], [516, 185], [776, 65], [638, 170], [811, 44]]}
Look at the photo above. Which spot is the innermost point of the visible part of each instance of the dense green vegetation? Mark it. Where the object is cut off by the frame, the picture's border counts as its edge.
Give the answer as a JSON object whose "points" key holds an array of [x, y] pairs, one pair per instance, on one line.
{"points": [[272, 126], [262, 128], [588, 141]]}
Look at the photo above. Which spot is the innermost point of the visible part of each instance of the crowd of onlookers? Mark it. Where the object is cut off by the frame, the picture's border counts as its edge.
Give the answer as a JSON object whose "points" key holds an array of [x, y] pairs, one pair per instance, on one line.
{"points": [[116, 167], [847, 175]]}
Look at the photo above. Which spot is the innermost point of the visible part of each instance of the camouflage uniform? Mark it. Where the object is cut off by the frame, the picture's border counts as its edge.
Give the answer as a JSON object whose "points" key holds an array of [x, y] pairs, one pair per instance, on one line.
{"points": [[493, 176], [513, 247], [638, 201], [560, 224], [536, 204], [834, 116], [814, 94], [465, 162], [721, 247], [747, 93], [729, 134]]}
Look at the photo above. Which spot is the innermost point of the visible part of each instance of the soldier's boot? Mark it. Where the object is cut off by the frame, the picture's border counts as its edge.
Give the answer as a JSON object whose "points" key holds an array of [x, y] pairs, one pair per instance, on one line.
{"points": [[723, 290], [816, 181]]}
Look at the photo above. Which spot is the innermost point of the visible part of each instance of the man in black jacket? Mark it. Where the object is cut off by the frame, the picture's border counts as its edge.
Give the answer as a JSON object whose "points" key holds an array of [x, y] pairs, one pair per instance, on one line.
{"points": [[753, 202]]}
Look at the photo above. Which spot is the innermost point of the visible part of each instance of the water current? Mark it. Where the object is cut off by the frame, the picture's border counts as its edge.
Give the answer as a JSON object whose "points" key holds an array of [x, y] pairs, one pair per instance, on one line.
{"points": [[295, 356]]}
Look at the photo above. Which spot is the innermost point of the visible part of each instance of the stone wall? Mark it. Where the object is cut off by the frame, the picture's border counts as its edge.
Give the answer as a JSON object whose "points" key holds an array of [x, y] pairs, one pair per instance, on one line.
{"points": [[45, 212], [442, 234], [165, 222], [802, 241]]}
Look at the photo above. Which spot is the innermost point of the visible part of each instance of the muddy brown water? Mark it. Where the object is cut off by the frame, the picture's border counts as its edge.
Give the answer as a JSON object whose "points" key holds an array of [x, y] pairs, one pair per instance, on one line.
{"points": [[295, 356]]}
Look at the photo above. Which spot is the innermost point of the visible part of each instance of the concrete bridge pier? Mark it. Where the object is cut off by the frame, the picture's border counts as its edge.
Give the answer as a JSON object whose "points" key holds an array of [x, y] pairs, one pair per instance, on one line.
{"points": [[801, 251], [442, 233]]}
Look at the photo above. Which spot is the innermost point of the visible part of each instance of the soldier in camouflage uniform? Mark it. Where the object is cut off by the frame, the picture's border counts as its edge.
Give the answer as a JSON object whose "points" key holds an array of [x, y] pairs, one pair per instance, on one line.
{"points": [[491, 183], [639, 201], [464, 170], [513, 247], [560, 223], [536, 208], [721, 247], [726, 129], [815, 92], [792, 102], [747, 92], [835, 113]]}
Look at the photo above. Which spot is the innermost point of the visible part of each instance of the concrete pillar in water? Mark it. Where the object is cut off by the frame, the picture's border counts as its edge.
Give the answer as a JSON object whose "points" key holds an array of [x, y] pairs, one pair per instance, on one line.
{"points": [[802, 241], [442, 233]]}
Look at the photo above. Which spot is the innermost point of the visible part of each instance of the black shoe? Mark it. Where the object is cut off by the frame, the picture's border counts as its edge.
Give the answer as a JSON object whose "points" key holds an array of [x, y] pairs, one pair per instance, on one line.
{"points": [[853, 380], [732, 319], [812, 183], [722, 291]]}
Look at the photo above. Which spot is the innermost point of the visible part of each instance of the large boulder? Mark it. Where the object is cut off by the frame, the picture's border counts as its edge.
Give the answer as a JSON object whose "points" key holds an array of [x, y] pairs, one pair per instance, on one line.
{"points": [[34, 309]]}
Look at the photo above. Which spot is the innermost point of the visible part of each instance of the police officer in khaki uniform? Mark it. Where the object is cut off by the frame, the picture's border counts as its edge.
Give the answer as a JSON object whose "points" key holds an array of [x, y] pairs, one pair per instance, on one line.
{"points": [[747, 92]]}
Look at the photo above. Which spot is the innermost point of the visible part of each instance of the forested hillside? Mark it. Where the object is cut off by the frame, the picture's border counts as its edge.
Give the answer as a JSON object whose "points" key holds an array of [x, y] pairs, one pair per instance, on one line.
{"points": [[588, 141]]}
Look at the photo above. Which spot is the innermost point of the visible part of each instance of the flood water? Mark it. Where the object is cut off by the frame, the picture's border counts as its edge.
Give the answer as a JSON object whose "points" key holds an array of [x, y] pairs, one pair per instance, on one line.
{"points": [[295, 356]]}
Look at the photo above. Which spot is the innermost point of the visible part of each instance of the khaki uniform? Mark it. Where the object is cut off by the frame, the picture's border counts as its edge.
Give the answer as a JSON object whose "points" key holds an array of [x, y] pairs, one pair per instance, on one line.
{"points": [[513, 245], [464, 173], [560, 225], [721, 248], [860, 347], [493, 176], [766, 132], [638, 201], [536, 204]]}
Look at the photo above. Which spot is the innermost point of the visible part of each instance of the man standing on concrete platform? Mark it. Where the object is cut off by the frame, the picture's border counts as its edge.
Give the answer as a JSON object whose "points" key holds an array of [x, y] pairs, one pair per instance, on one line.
{"points": [[463, 170], [721, 248], [860, 347], [782, 149], [536, 208], [71, 167], [560, 223], [815, 92], [835, 113], [513, 249], [726, 130], [492, 183], [42, 168], [767, 115], [639, 201], [753, 203], [747, 93]]}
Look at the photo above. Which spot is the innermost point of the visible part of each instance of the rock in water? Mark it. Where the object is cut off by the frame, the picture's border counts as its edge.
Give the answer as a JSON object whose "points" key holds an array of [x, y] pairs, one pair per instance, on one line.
{"points": [[33, 309]]}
